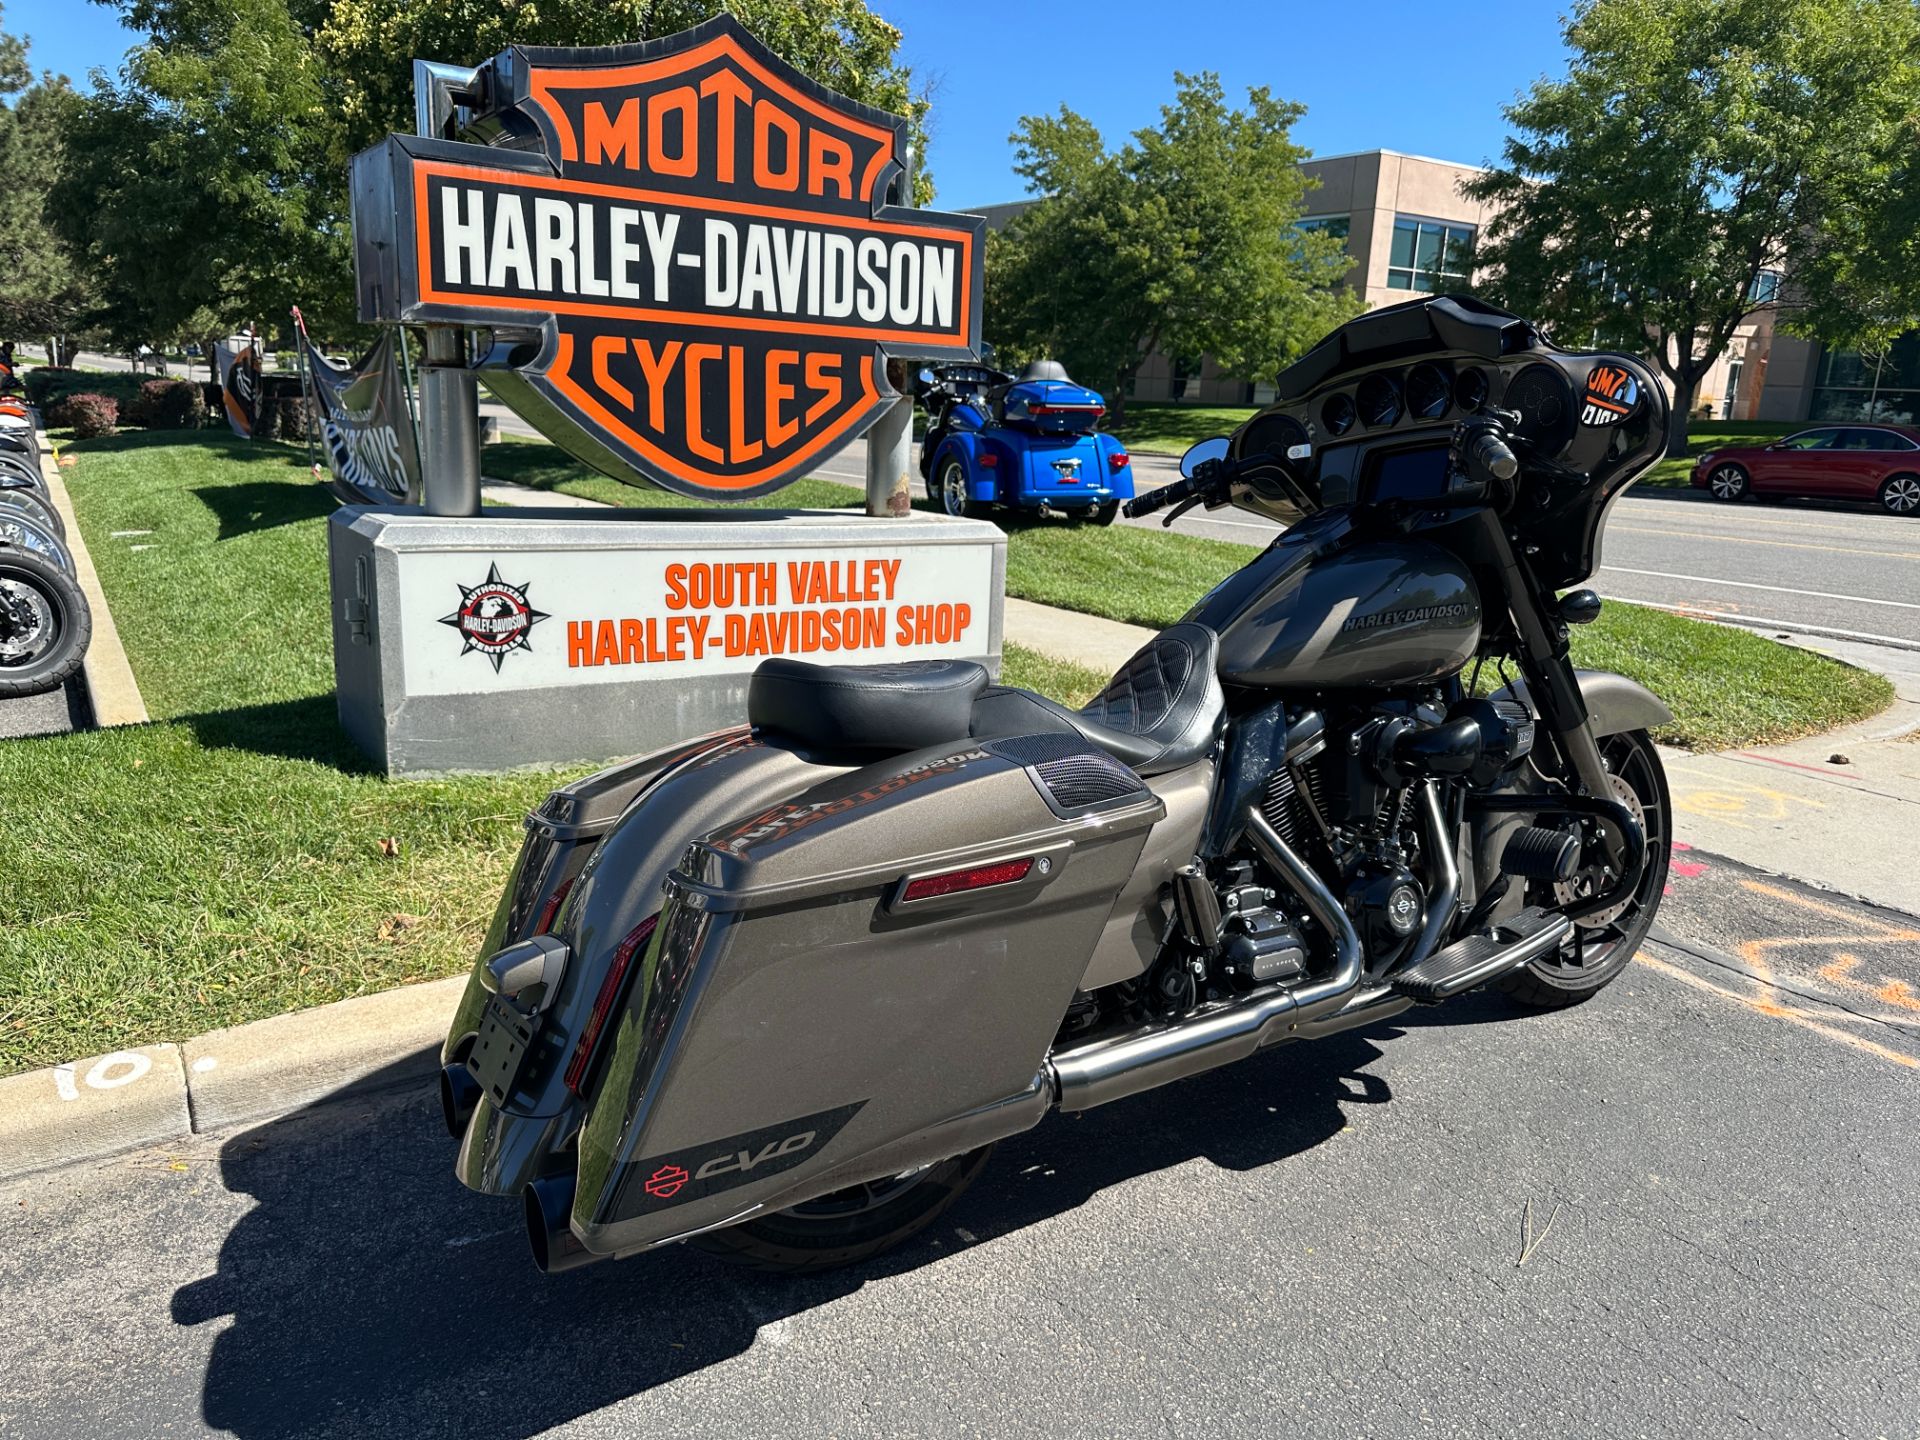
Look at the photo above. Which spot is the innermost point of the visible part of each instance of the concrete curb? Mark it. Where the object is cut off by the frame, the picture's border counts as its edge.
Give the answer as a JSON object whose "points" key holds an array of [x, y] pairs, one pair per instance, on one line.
{"points": [[108, 1104], [112, 693]]}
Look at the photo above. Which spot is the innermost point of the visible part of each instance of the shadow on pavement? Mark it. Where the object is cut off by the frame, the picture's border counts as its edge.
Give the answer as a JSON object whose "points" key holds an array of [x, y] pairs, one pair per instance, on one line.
{"points": [[370, 1294]]}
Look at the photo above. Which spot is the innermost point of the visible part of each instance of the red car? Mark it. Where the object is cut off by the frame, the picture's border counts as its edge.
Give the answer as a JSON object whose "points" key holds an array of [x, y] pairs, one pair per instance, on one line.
{"points": [[1833, 462]]}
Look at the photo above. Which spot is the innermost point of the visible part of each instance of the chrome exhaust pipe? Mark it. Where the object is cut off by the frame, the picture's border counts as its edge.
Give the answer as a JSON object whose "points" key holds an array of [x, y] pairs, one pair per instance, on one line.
{"points": [[549, 1211], [1114, 1069]]}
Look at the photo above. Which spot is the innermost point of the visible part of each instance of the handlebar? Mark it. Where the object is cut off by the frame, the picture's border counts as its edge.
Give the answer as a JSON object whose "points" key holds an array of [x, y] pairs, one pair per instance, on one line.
{"points": [[1185, 488]]}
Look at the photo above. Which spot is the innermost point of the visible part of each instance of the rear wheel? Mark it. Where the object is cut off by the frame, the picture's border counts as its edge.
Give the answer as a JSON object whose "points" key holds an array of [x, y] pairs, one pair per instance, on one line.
{"points": [[1728, 482], [1602, 944], [950, 488], [1105, 514], [44, 625], [1900, 495], [847, 1226]]}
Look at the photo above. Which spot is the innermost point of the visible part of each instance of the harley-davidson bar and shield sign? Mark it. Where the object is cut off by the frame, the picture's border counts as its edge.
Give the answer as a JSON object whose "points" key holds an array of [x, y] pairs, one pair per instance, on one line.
{"points": [[685, 249]]}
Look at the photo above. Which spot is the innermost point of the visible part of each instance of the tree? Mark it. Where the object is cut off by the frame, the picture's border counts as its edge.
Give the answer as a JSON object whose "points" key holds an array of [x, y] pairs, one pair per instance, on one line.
{"points": [[1183, 240], [41, 294], [210, 177], [1693, 145]]}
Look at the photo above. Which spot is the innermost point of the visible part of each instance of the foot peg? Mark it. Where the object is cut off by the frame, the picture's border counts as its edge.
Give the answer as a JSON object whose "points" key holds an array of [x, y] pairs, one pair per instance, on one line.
{"points": [[1486, 956]]}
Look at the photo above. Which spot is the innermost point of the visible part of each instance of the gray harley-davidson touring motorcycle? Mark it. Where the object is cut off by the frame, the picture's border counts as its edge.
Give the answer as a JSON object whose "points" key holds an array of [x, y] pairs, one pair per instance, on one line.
{"points": [[777, 991]]}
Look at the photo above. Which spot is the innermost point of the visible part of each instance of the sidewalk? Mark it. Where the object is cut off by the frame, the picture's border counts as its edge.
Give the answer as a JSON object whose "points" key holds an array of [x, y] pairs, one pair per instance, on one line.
{"points": [[1793, 810]]}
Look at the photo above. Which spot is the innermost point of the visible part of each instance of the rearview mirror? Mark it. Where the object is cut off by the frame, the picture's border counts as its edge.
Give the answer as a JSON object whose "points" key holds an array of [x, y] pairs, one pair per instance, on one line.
{"points": [[1201, 454]]}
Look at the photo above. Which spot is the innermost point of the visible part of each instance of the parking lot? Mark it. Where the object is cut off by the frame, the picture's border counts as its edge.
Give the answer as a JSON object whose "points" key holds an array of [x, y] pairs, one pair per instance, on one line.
{"points": [[1714, 1162]]}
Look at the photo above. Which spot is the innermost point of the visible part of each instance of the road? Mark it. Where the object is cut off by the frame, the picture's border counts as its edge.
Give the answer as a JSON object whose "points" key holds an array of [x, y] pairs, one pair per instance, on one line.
{"points": [[1717, 1154]]}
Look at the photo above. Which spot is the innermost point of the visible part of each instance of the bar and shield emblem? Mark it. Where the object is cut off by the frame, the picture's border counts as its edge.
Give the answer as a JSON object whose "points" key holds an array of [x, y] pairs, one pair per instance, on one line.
{"points": [[685, 251]]}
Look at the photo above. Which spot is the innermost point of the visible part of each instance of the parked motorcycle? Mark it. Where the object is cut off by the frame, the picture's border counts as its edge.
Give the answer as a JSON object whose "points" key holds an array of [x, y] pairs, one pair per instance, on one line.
{"points": [[1031, 444], [45, 622], [777, 991]]}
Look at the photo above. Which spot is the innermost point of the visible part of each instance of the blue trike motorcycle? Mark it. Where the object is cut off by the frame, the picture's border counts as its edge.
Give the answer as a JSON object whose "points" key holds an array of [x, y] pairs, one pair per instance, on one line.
{"points": [[1027, 444]]}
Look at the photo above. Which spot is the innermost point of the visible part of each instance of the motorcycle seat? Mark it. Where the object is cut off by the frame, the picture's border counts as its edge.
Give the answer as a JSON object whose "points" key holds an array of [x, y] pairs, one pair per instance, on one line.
{"points": [[1158, 713]]}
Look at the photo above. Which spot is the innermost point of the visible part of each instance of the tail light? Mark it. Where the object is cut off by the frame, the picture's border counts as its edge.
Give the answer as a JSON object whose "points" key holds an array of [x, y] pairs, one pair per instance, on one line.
{"points": [[550, 911], [1094, 410], [988, 460], [611, 990], [953, 882], [1117, 460]]}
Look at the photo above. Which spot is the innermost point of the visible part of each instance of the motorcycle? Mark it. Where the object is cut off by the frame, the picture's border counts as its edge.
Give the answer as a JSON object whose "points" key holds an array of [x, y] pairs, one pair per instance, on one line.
{"points": [[777, 991], [1026, 444], [45, 622]]}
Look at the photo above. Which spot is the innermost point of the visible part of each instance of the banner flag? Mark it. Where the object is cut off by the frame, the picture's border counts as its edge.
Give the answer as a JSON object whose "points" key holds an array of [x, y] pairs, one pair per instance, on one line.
{"points": [[239, 372], [366, 429]]}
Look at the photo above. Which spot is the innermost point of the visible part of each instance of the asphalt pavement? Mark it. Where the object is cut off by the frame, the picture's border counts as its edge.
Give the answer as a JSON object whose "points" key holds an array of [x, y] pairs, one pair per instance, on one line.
{"points": [[1713, 1161]]}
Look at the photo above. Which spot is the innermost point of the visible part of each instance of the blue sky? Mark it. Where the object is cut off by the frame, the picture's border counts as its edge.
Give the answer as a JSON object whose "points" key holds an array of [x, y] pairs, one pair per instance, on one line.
{"points": [[1400, 74]]}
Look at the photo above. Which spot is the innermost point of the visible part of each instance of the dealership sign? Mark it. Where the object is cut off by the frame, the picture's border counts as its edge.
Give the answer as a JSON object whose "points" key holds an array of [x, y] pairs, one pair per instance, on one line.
{"points": [[685, 249]]}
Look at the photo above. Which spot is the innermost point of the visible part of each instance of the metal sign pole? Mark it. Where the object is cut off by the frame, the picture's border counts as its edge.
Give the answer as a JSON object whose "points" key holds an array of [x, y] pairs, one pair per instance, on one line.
{"points": [[449, 426]]}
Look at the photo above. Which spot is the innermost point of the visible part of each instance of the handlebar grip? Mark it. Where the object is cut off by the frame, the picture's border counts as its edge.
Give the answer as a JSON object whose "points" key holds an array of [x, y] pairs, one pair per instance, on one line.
{"points": [[1154, 499], [1491, 454]]}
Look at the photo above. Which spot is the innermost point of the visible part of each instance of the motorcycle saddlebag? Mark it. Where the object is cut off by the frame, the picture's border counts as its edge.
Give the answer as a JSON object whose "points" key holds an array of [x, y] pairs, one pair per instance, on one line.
{"points": [[856, 982]]}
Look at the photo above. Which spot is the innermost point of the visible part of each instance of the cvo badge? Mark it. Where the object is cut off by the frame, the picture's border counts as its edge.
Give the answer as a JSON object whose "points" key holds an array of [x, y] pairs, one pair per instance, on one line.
{"points": [[685, 250]]}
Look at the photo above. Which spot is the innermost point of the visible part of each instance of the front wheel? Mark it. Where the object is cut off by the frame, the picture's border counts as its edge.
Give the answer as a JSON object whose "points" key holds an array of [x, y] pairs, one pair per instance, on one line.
{"points": [[1604, 943], [847, 1226], [1900, 495], [44, 625], [1728, 482]]}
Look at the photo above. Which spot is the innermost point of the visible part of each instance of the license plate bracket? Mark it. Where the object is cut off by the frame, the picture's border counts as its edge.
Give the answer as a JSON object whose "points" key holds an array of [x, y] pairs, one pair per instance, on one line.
{"points": [[500, 1049]]}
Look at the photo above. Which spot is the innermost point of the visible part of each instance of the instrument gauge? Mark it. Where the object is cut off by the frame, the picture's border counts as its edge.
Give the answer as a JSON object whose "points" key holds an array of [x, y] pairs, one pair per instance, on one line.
{"points": [[1337, 414], [1379, 401], [1470, 390], [1429, 391]]}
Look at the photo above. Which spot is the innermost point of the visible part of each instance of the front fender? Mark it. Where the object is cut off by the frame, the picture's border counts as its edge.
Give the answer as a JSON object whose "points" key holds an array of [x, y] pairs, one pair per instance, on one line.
{"points": [[1615, 704]]}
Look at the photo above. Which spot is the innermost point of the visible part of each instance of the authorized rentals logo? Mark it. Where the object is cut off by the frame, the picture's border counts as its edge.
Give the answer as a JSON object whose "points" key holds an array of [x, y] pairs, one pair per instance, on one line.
{"points": [[494, 617]]}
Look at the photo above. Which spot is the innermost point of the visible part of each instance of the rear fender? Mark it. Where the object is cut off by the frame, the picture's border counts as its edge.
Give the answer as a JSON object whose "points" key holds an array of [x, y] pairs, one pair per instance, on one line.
{"points": [[506, 1146]]}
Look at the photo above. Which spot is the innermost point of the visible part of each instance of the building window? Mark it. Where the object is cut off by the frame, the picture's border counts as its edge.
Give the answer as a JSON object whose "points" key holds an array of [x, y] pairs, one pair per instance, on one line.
{"points": [[1765, 288], [1881, 387], [1336, 225], [1429, 255], [1186, 377], [1733, 388]]}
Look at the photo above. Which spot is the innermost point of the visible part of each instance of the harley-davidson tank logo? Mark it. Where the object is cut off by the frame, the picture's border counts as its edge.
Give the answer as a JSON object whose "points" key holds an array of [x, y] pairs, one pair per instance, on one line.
{"points": [[702, 1170], [702, 256], [1412, 615], [1612, 394], [494, 618]]}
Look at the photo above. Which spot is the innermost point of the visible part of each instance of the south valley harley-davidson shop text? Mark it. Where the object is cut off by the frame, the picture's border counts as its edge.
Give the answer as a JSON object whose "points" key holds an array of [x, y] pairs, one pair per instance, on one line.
{"points": [[540, 617]]}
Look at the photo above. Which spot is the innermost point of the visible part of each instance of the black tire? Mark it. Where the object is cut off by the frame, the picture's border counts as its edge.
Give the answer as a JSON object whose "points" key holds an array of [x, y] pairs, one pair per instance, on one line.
{"points": [[44, 625], [1900, 495], [35, 507], [22, 470], [1105, 514], [1603, 945], [1728, 482], [848, 1226], [948, 488]]}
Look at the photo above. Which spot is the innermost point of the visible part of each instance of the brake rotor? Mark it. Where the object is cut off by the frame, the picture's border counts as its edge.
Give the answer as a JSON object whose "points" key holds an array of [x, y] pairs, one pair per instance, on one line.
{"points": [[26, 623], [1590, 882]]}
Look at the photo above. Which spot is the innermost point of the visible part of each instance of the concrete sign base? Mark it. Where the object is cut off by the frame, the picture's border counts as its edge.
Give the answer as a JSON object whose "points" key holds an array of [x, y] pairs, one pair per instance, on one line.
{"points": [[543, 637]]}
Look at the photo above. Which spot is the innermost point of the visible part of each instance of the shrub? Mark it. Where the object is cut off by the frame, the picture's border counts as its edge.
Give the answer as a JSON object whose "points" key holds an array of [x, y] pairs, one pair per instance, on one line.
{"points": [[88, 414], [167, 405], [48, 384], [44, 382]]}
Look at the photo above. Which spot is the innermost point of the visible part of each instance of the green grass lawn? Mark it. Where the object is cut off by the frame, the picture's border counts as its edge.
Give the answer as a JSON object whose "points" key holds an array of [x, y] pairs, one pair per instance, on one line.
{"points": [[230, 860]]}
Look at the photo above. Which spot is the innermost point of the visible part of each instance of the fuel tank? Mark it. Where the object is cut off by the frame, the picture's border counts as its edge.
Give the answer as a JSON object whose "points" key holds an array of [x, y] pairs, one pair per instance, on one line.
{"points": [[1320, 609]]}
